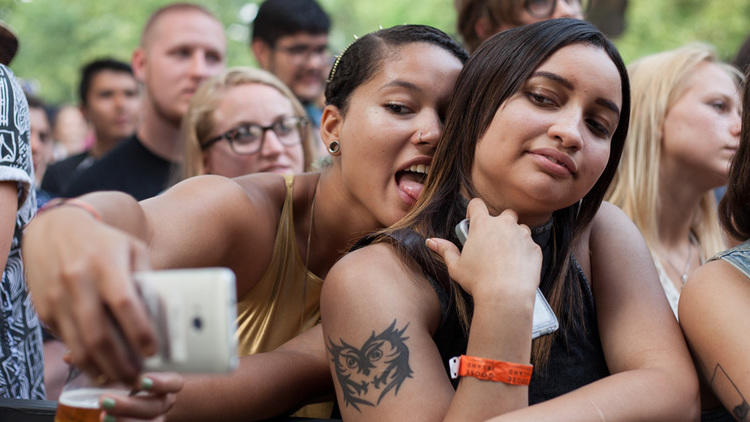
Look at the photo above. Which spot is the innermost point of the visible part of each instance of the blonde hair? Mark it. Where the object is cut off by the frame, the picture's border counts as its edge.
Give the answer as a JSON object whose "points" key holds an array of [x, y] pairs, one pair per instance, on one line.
{"points": [[656, 83], [198, 122]]}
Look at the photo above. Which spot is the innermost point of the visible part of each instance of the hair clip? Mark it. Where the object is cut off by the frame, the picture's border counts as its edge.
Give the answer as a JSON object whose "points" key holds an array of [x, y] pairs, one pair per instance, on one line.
{"points": [[338, 59]]}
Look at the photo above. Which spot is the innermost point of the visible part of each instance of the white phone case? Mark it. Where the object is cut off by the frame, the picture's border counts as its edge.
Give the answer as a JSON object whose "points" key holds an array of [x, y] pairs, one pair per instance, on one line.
{"points": [[194, 313], [544, 319]]}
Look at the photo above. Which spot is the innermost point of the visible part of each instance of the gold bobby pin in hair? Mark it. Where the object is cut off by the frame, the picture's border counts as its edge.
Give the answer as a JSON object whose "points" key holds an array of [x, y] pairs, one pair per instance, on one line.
{"points": [[338, 59]]}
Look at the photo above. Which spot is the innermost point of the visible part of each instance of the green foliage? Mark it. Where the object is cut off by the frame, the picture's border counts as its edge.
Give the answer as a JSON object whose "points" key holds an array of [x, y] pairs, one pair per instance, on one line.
{"points": [[657, 25], [356, 18], [57, 36]]}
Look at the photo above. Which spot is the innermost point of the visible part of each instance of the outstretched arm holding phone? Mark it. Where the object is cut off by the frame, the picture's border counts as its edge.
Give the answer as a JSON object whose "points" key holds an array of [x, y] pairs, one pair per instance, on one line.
{"points": [[86, 279]]}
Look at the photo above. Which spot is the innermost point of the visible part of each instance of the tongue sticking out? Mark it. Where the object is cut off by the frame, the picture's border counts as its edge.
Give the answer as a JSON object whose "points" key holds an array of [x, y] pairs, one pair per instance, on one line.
{"points": [[411, 184]]}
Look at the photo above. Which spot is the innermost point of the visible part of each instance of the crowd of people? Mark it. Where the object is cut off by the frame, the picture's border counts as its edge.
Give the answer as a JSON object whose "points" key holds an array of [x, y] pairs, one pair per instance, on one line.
{"points": [[332, 189]]}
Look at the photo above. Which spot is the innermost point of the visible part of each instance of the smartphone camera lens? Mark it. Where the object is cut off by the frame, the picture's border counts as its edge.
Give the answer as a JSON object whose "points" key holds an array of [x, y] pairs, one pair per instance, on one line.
{"points": [[197, 323]]}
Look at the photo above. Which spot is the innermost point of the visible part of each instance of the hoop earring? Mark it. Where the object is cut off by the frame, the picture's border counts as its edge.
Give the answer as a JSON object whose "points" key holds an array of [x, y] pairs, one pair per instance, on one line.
{"points": [[334, 147]]}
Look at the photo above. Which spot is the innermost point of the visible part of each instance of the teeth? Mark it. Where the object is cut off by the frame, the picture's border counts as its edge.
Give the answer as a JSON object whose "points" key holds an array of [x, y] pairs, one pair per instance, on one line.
{"points": [[553, 160], [419, 168]]}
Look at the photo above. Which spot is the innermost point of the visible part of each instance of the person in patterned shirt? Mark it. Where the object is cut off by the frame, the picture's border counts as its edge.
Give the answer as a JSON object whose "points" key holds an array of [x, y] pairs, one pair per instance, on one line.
{"points": [[21, 362]]}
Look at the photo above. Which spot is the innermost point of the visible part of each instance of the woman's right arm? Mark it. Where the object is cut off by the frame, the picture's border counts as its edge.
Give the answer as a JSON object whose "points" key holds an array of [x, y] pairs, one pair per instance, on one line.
{"points": [[715, 317], [265, 385], [78, 268]]}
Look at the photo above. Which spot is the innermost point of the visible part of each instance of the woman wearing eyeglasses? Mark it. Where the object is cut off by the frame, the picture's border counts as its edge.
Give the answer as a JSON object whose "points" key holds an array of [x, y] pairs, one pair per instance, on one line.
{"points": [[245, 121], [386, 99], [479, 19]]}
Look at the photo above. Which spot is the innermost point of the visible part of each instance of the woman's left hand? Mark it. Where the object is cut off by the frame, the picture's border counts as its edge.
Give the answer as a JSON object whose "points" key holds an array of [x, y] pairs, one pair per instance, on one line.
{"points": [[156, 395]]}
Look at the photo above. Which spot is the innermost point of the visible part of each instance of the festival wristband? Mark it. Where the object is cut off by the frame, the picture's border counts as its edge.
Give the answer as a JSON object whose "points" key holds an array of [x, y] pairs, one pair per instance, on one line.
{"points": [[490, 370], [59, 202]]}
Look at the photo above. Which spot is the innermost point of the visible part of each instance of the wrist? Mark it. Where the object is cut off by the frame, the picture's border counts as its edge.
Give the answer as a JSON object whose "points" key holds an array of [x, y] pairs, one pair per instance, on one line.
{"points": [[70, 203], [512, 296], [490, 370]]}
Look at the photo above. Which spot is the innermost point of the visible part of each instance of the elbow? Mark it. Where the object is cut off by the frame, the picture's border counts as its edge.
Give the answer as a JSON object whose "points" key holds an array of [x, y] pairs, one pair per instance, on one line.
{"points": [[687, 398], [692, 410], [674, 392]]}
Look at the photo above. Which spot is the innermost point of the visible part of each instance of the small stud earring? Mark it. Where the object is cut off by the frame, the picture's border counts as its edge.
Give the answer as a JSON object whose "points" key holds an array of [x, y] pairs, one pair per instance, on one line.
{"points": [[334, 147]]}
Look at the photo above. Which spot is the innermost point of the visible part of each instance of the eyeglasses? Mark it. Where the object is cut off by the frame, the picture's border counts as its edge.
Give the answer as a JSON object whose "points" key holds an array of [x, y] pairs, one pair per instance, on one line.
{"points": [[546, 8], [248, 138], [305, 51]]}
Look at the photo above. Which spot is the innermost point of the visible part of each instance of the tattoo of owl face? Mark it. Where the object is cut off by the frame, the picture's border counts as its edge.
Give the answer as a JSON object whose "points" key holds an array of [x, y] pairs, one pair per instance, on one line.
{"points": [[368, 373]]}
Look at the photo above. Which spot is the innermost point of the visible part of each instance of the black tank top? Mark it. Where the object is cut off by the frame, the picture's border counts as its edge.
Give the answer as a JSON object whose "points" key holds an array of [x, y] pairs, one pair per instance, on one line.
{"points": [[576, 358]]}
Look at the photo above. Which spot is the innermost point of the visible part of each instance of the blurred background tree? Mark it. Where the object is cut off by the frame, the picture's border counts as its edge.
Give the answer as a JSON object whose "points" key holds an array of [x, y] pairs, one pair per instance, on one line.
{"points": [[57, 36]]}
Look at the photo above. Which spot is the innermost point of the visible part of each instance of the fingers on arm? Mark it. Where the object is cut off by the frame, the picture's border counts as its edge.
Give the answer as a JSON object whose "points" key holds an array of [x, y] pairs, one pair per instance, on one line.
{"points": [[139, 406], [156, 395], [161, 382]]}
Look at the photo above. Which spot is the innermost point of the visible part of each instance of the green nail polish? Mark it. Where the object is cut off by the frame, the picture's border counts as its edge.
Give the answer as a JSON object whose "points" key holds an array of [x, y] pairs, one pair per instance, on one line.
{"points": [[109, 418], [146, 383], [108, 403]]}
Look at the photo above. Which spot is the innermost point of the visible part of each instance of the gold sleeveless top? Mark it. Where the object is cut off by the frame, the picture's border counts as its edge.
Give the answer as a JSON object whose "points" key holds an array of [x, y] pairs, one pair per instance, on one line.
{"points": [[286, 300]]}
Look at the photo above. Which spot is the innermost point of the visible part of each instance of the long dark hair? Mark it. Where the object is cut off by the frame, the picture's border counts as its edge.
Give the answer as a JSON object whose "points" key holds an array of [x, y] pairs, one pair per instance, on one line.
{"points": [[733, 208], [496, 71], [364, 57]]}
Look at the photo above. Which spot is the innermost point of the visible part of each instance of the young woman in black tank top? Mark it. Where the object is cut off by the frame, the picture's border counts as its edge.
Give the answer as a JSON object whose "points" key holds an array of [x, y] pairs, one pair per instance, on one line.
{"points": [[533, 134]]}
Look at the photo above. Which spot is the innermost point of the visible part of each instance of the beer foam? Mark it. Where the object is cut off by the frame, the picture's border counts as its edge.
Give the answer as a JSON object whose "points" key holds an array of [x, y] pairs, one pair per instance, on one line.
{"points": [[87, 398]]}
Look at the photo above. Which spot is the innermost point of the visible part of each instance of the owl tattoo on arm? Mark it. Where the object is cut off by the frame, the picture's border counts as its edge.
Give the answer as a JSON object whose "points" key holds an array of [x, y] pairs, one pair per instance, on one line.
{"points": [[368, 373]]}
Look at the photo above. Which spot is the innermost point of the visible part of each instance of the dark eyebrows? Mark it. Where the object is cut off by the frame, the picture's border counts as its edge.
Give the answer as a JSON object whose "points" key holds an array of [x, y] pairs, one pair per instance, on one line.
{"points": [[567, 84], [400, 83], [554, 77], [608, 104]]}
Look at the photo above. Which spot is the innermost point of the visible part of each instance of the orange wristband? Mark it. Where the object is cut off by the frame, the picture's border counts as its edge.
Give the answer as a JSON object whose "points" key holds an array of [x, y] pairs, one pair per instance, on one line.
{"points": [[59, 202], [490, 370]]}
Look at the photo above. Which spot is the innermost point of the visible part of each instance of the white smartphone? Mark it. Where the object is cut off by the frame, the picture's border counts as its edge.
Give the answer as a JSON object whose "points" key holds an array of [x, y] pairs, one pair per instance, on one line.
{"points": [[544, 320], [194, 313]]}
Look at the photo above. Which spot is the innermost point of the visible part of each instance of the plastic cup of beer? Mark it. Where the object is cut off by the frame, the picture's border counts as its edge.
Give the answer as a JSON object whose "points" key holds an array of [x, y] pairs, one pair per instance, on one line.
{"points": [[79, 401]]}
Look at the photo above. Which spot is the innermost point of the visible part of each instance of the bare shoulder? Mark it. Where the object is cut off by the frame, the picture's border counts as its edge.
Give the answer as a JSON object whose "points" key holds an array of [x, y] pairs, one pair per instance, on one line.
{"points": [[612, 232], [218, 200], [610, 220], [619, 256], [714, 285], [269, 187], [212, 220], [377, 279]]}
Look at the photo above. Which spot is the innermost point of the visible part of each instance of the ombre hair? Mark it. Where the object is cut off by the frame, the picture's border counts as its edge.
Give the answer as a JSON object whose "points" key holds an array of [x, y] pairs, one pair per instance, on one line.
{"points": [[734, 209], [494, 73], [657, 82], [198, 122]]}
